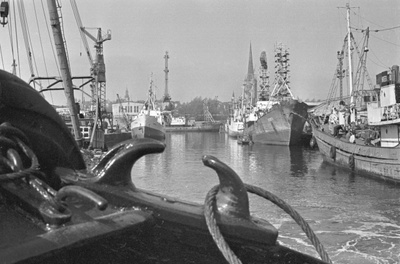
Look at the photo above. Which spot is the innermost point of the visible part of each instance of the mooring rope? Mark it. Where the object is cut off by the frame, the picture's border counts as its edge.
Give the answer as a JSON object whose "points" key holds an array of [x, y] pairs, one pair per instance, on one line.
{"points": [[210, 207]]}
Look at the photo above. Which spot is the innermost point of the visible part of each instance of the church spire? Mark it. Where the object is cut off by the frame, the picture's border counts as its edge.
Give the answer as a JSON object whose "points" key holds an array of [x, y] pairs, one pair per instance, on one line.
{"points": [[250, 69], [250, 83]]}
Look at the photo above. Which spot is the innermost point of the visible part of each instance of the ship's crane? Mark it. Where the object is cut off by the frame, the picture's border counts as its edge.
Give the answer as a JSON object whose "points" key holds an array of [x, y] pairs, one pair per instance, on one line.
{"points": [[98, 69], [97, 66]]}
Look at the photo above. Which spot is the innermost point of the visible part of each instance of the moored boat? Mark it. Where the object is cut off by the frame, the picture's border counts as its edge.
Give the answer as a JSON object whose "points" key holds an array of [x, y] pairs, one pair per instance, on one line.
{"points": [[235, 123], [280, 124], [147, 125], [278, 118], [149, 122], [360, 132], [54, 208], [234, 127]]}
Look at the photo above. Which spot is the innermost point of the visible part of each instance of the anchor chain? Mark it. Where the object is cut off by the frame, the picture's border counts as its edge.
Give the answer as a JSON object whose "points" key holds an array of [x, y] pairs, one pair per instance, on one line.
{"points": [[210, 208], [12, 168], [15, 139]]}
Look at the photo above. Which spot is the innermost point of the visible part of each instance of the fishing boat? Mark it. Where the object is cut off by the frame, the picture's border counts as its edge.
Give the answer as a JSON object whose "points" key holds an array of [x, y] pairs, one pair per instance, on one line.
{"points": [[234, 124], [278, 118], [149, 123], [53, 207], [360, 132]]}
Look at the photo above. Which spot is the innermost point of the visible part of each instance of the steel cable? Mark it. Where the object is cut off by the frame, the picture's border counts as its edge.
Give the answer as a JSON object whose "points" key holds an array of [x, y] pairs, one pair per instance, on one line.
{"points": [[209, 209]]}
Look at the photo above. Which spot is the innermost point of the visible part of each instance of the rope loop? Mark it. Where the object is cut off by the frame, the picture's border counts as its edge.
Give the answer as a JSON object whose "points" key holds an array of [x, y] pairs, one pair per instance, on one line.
{"points": [[209, 213], [209, 209]]}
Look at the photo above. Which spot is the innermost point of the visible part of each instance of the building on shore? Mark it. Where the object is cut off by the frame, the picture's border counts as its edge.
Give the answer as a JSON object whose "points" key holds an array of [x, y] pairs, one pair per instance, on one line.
{"points": [[125, 112]]}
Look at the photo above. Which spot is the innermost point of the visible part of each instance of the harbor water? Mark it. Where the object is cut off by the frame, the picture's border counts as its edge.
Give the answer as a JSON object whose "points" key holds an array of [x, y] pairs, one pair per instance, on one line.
{"points": [[356, 218]]}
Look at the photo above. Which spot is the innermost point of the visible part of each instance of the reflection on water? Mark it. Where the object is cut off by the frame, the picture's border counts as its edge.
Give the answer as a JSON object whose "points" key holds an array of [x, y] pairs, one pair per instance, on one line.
{"points": [[356, 218]]}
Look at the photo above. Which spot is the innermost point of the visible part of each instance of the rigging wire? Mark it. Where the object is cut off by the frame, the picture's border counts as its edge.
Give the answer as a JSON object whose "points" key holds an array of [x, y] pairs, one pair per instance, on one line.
{"points": [[51, 44], [362, 29], [41, 42], [372, 22], [394, 44], [80, 26], [379, 63], [2, 60], [25, 34], [11, 40], [17, 45], [51, 40], [29, 37]]}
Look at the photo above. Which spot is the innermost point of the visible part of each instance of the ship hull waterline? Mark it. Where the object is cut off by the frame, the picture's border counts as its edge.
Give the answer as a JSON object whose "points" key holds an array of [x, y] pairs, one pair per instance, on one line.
{"points": [[381, 163], [147, 127], [282, 125], [211, 127]]}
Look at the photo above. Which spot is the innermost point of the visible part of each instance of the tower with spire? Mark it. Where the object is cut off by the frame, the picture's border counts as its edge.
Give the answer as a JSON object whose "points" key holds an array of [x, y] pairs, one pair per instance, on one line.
{"points": [[167, 97], [250, 82]]}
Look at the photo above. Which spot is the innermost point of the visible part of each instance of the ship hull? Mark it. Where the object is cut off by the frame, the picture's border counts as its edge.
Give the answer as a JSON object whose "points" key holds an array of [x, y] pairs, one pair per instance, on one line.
{"points": [[377, 162], [234, 128], [112, 139], [282, 125], [198, 127], [145, 126]]}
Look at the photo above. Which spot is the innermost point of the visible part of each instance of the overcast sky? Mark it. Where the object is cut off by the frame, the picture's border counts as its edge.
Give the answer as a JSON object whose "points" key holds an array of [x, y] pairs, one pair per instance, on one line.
{"points": [[208, 42]]}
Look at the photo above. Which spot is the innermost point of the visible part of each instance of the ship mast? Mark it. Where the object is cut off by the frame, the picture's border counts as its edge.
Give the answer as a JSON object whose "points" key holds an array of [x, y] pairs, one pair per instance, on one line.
{"points": [[349, 53], [64, 68]]}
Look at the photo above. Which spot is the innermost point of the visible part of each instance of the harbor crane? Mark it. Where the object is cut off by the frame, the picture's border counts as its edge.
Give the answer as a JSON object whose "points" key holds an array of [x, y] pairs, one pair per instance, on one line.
{"points": [[97, 66]]}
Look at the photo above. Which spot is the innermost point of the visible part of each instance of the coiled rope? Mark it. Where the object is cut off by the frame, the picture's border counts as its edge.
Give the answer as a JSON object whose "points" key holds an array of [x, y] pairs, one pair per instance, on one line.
{"points": [[210, 208]]}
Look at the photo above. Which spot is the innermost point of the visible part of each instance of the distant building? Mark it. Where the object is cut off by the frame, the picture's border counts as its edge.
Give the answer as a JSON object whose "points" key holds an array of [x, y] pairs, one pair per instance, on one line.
{"points": [[125, 112]]}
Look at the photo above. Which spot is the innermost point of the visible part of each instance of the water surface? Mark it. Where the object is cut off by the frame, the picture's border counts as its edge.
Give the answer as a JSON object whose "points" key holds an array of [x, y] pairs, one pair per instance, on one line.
{"points": [[356, 218]]}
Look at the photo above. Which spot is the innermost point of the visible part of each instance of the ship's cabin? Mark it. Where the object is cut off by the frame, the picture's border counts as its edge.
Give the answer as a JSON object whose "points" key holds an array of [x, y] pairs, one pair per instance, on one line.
{"points": [[385, 113]]}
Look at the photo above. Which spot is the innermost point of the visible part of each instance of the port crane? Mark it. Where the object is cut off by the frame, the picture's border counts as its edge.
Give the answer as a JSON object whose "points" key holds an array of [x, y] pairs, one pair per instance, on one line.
{"points": [[97, 67]]}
